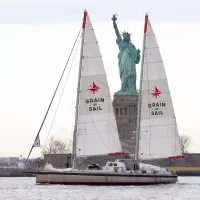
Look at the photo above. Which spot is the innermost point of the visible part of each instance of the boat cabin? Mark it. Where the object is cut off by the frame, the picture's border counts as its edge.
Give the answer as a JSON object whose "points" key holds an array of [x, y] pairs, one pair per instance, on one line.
{"points": [[115, 166]]}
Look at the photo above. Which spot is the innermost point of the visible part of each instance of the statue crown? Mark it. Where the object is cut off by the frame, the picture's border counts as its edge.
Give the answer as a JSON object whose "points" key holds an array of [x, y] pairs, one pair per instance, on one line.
{"points": [[126, 33]]}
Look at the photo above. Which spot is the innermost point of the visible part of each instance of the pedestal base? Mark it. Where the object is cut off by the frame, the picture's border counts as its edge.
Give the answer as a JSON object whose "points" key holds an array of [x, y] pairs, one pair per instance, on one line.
{"points": [[125, 107]]}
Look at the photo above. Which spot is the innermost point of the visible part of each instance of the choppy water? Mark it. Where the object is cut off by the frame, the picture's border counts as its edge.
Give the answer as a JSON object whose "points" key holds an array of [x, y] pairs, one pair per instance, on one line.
{"points": [[188, 188]]}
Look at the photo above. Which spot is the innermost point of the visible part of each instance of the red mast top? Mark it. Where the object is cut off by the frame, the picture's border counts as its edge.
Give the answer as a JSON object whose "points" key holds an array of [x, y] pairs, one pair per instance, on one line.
{"points": [[145, 23], [84, 19]]}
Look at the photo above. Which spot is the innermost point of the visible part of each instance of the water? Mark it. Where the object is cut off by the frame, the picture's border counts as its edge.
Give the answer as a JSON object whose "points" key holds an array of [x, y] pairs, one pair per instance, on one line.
{"points": [[26, 189]]}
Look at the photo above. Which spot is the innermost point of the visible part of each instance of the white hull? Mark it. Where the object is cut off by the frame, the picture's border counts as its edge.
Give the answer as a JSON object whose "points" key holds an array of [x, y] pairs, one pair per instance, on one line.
{"points": [[102, 178]]}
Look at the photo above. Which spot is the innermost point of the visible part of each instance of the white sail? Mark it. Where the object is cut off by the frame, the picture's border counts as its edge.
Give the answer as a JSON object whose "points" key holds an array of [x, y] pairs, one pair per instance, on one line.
{"points": [[97, 132], [158, 129]]}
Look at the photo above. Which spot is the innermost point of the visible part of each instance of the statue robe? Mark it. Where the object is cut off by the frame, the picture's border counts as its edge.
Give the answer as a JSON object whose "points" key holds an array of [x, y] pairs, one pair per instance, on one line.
{"points": [[128, 57]]}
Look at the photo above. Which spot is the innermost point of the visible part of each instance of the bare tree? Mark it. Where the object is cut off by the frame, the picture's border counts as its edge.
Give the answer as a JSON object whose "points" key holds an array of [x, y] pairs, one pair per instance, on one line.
{"points": [[185, 141], [55, 146]]}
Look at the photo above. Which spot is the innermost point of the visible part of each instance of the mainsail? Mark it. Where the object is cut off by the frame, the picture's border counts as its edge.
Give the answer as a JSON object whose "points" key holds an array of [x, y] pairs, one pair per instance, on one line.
{"points": [[158, 128], [97, 132]]}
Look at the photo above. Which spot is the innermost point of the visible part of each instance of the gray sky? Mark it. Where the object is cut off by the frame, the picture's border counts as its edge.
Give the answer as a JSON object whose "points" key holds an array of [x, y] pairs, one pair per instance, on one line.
{"points": [[37, 36]]}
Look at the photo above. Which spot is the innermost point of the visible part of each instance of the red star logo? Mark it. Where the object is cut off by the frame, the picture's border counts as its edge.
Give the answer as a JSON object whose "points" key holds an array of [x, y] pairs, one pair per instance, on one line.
{"points": [[156, 92], [94, 88]]}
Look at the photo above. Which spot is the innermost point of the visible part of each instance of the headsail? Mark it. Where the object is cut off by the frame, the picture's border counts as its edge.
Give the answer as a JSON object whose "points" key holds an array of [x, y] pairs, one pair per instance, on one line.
{"points": [[158, 128], [97, 132]]}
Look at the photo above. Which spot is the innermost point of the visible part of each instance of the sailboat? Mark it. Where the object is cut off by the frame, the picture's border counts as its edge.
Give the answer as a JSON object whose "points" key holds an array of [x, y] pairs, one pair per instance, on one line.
{"points": [[95, 130]]}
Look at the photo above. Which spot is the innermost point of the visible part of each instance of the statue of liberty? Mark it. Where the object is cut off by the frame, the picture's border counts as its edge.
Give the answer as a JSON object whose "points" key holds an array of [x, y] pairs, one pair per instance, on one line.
{"points": [[128, 57]]}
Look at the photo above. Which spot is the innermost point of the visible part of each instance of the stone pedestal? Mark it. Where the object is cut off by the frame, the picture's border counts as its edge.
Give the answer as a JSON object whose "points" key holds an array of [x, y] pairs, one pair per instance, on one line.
{"points": [[125, 108]]}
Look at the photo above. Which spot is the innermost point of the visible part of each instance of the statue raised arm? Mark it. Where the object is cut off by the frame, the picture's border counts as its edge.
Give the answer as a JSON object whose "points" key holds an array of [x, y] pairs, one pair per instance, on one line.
{"points": [[119, 39], [128, 57]]}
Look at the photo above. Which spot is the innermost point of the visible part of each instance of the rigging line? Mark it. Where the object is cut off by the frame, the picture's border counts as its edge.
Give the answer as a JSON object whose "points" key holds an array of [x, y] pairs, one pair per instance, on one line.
{"points": [[159, 125], [62, 93], [53, 96], [152, 138], [108, 94], [60, 101]]}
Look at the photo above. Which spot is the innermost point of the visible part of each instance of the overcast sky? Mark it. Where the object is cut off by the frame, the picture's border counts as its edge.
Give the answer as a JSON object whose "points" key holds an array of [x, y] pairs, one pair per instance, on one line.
{"points": [[36, 37]]}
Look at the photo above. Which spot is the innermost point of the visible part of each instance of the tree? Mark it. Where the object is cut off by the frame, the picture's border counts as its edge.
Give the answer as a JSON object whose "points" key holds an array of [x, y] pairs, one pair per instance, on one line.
{"points": [[185, 141], [56, 146]]}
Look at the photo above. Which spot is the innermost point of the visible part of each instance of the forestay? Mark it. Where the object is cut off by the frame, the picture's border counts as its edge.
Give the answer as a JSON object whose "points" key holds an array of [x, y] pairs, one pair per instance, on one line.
{"points": [[97, 132], [158, 128]]}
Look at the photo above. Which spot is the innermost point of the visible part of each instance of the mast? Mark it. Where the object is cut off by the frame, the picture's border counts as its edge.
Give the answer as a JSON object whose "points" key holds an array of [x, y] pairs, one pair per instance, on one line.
{"points": [[140, 92], [77, 94]]}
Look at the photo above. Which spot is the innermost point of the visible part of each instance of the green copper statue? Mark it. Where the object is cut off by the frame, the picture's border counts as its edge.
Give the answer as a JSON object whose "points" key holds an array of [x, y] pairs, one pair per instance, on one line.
{"points": [[128, 57]]}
